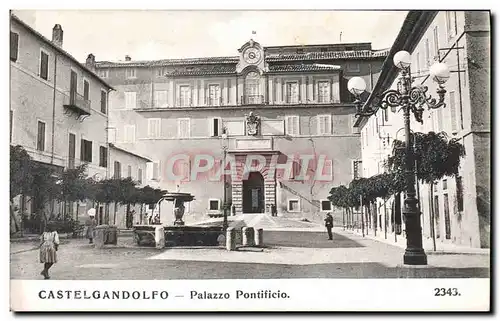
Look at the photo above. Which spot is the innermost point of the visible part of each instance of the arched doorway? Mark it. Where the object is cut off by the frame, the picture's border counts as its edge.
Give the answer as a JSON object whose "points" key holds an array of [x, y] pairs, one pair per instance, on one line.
{"points": [[253, 193]]}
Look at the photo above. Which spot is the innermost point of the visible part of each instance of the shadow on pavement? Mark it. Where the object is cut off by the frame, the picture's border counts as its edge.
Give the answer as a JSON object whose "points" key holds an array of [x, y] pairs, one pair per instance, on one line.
{"points": [[308, 240]]}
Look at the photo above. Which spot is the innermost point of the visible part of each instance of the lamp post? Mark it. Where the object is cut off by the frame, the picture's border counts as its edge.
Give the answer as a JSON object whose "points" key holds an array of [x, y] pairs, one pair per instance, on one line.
{"points": [[225, 145], [411, 99]]}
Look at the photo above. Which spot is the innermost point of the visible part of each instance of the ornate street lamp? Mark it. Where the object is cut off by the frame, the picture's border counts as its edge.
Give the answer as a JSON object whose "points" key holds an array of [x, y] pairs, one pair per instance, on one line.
{"points": [[411, 99], [225, 145]]}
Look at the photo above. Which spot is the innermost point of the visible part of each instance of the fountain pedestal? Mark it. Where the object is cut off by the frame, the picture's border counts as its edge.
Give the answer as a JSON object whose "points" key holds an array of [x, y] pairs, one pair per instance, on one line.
{"points": [[178, 199]]}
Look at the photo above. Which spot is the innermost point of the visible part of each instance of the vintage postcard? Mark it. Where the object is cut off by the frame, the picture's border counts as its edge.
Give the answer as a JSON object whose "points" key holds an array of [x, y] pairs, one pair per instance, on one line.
{"points": [[250, 160]]}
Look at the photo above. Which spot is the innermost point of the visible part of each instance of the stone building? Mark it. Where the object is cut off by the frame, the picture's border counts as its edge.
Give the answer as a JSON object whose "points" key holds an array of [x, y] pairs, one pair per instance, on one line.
{"points": [[461, 39], [285, 105], [59, 113], [58, 107]]}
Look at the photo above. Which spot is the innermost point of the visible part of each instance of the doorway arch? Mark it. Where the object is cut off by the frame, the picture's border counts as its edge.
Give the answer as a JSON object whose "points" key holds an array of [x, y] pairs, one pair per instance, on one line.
{"points": [[253, 193]]}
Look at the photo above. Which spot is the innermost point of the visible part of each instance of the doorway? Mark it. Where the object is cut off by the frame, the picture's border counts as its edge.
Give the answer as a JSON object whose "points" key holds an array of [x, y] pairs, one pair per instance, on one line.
{"points": [[253, 193]]}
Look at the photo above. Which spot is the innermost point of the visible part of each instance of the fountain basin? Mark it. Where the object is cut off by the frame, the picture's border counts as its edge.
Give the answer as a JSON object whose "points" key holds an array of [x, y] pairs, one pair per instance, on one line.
{"points": [[144, 235]]}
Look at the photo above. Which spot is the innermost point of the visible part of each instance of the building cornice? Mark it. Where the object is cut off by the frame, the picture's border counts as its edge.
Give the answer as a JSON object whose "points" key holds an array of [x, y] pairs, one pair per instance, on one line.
{"points": [[414, 27], [233, 107]]}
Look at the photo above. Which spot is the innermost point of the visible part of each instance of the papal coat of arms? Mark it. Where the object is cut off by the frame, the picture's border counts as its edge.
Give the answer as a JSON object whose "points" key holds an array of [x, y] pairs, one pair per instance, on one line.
{"points": [[253, 124]]}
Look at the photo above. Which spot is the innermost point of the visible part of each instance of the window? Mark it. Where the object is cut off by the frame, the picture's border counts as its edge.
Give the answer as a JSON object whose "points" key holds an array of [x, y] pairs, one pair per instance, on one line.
{"points": [[40, 138], [86, 89], [436, 44], [460, 194], [292, 125], [73, 83], [326, 206], [71, 150], [10, 123], [214, 95], [324, 124], [293, 205], [451, 26], [160, 72], [44, 65], [453, 113], [154, 127], [324, 92], [14, 46], [356, 169], [183, 127], [139, 175], [103, 73], [353, 66], [160, 98], [185, 96], [130, 73], [327, 171], [130, 99], [292, 93], [252, 88], [103, 156], [215, 127], [104, 100], [439, 119], [437, 228], [213, 204], [117, 173], [446, 212], [129, 131], [129, 171], [427, 58], [86, 150], [417, 59], [156, 171]]}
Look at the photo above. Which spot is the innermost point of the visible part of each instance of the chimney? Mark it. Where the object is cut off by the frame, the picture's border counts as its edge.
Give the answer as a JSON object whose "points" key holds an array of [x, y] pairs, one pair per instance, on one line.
{"points": [[127, 58], [90, 62], [57, 35]]}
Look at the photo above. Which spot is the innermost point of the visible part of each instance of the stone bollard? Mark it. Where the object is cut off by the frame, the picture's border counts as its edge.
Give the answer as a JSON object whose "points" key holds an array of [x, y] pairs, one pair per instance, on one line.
{"points": [[259, 237], [231, 239], [100, 236], [248, 236], [159, 237]]}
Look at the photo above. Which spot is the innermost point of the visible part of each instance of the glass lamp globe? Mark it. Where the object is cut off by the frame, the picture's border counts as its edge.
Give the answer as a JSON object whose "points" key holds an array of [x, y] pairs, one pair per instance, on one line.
{"points": [[439, 72], [356, 85], [402, 59]]}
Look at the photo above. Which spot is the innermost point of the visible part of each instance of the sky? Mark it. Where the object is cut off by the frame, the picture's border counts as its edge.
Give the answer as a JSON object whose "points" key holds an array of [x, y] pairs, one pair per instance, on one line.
{"points": [[155, 34]]}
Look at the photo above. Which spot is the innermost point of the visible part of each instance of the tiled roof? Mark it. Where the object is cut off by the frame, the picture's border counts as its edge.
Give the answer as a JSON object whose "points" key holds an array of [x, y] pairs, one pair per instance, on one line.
{"points": [[223, 69], [233, 60], [169, 62], [302, 68], [328, 55]]}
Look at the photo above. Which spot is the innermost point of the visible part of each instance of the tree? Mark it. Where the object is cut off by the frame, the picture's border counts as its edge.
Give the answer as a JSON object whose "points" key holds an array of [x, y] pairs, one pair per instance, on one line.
{"points": [[20, 178], [75, 186], [436, 157]]}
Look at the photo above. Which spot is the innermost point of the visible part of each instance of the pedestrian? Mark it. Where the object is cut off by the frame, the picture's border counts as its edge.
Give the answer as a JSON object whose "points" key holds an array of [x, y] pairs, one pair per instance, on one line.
{"points": [[329, 225], [90, 225], [49, 244]]}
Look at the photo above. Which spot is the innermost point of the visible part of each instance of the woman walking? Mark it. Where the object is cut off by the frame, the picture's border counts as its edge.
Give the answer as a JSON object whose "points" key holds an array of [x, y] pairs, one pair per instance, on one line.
{"points": [[90, 224], [49, 243]]}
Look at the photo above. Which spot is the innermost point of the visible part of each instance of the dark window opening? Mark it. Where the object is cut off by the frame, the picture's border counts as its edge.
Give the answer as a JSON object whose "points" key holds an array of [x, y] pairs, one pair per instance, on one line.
{"points": [[103, 156], [14, 46], [86, 151]]}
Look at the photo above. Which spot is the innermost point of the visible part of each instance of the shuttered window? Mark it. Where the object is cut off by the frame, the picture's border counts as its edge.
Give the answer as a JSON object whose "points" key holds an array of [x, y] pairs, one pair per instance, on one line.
{"points": [[104, 100], [40, 142], [292, 125], [183, 128], [324, 124], [44, 65], [14, 46], [154, 127]]}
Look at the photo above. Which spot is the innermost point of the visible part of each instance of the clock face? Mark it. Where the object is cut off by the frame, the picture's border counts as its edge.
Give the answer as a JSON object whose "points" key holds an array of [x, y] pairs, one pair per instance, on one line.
{"points": [[252, 55]]}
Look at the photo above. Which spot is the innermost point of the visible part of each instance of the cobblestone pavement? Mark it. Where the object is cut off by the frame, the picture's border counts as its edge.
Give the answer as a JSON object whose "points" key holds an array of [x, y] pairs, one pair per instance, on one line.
{"points": [[288, 255]]}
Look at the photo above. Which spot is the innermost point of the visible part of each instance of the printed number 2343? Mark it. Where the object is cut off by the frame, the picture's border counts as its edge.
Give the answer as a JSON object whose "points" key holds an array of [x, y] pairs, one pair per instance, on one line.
{"points": [[446, 292]]}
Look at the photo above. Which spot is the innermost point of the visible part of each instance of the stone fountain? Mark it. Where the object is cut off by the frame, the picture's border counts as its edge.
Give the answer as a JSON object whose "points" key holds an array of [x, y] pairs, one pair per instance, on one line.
{"points": [[178, 199]]}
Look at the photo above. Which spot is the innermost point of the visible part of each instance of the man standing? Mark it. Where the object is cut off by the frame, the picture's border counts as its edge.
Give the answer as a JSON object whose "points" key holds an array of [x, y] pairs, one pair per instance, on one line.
{"points": [[329, 225]]}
